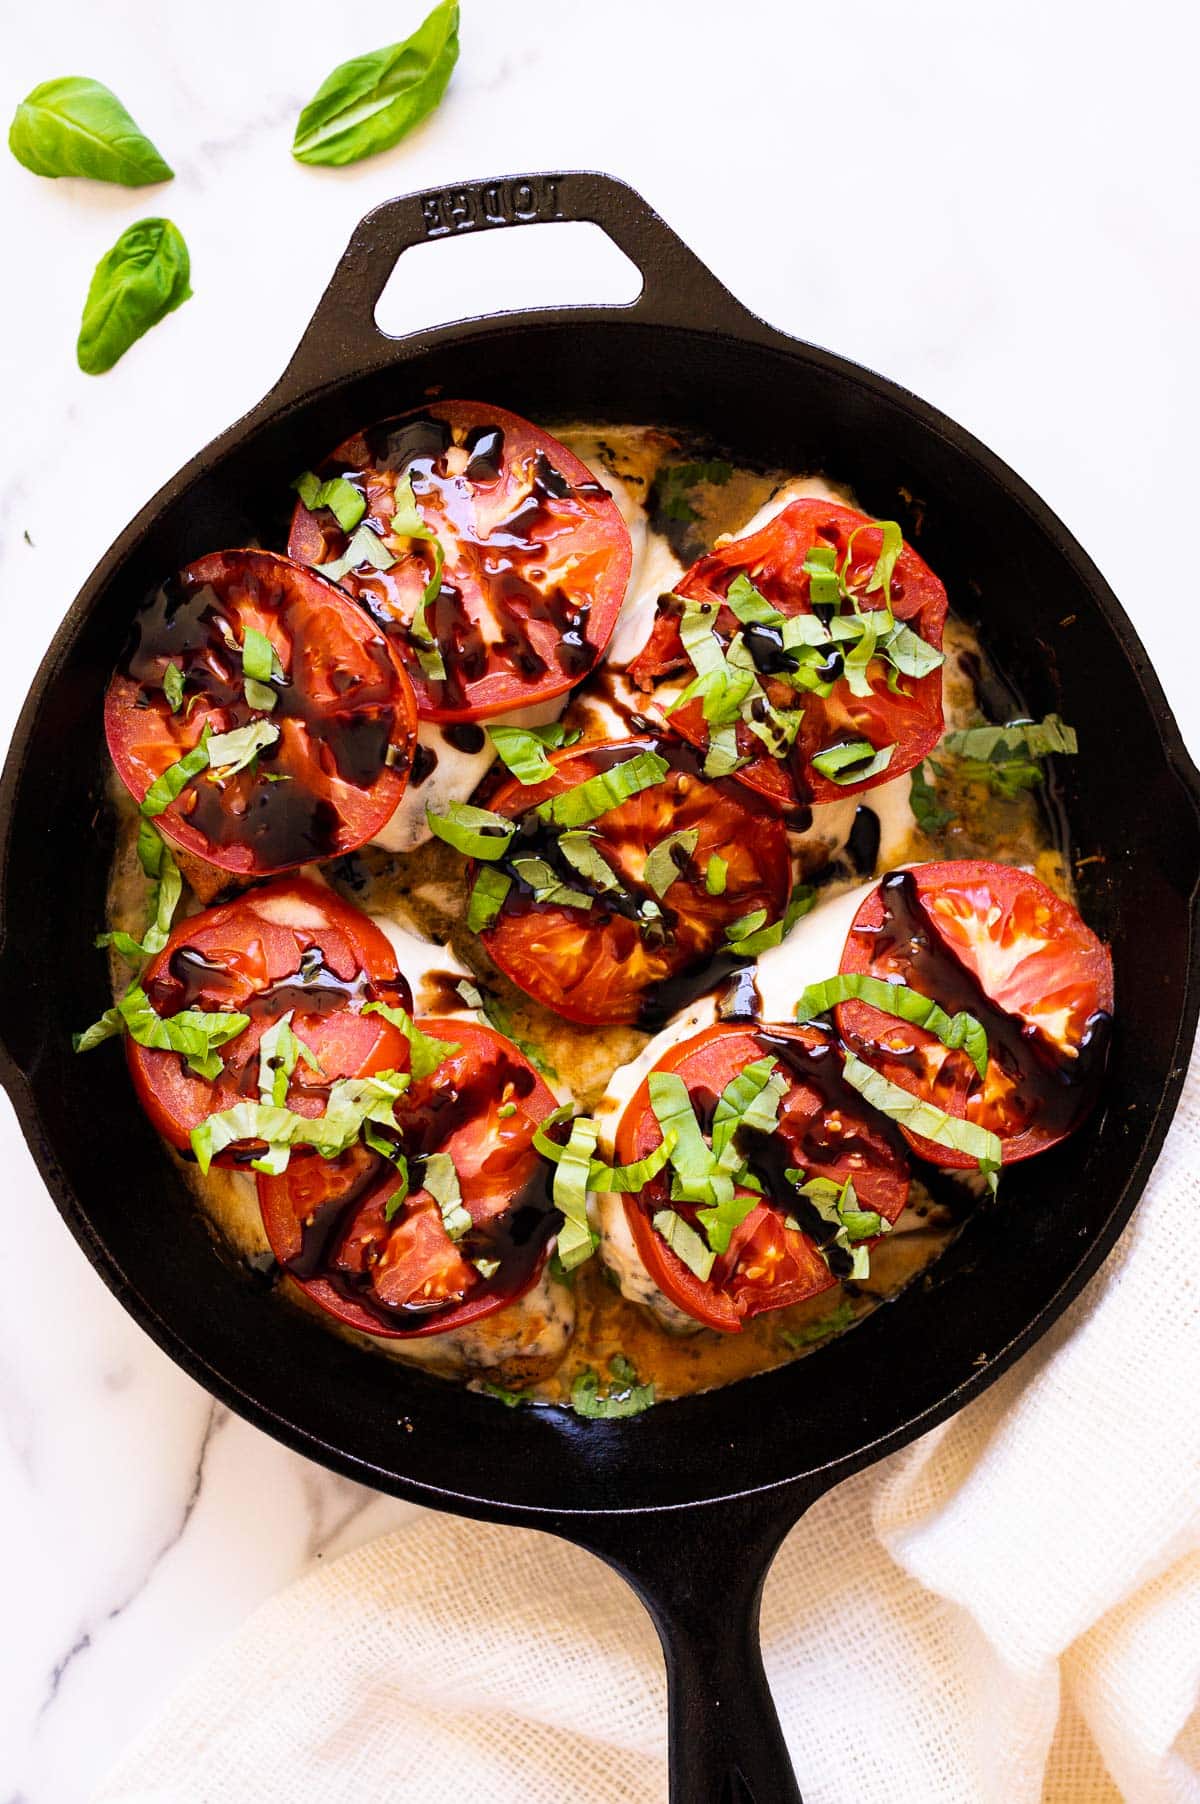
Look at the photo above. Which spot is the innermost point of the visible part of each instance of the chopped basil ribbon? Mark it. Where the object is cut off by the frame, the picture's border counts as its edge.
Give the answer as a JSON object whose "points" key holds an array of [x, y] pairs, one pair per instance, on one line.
{"points": [[928, 812], [824, 585], [440, 1179], [684, 1242], [749, 935], [229, 753], [487, 897], [853, 762], [173, 685], [579, 850], [365, 547], [575, 1240], [167, 785], [665, 861], [1027, 738], [353, 1102], [195, 1033], [475, 832], [160, 867], [697, 1177], [470, 995], [750, 606], [715, 873], [923, 1118], [547, 885], [279, 1052], [621, 1180], [502, 1021], [343, 500], [837, 1205], [510, 1399], [825, 1326], [954, 1031], [399, 1196], [587, 801], [425, 1052], [675, 482], [407, 523], [260, 663], [628, 1398], [750, 1099], [523, 749], [487, 1268]]}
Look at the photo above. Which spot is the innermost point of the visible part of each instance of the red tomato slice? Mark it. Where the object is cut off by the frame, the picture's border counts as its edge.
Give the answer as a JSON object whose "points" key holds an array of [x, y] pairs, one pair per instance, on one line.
{"points": [[328, 1224], [290, 945], [344, 710], [602, 964], [773, 559], [824, 1129], [536, 553], [994, 941]]}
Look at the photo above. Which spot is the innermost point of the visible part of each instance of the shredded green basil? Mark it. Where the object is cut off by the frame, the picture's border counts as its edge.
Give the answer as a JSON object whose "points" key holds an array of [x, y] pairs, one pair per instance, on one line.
{"points": [[954, 1031], [580, 851], [279, 1052], [665, 861], [365, 547], [928, 812], [475, 832], [488, 893], [346, 503], [425, 1052], [576, 1241], [522, 750], [624, 1396], [195, 1033], [173, 686], [440, 1179], [547, 885], [587, 801], [853, 762], [684, 1242], [822, 1329], [716, 872], [923, 1118], [167, 785], [353, 1102]]}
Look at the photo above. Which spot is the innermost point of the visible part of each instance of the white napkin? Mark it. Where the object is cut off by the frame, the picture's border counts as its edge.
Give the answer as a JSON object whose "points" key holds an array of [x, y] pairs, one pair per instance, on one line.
{"points": [[1006, 1612]]}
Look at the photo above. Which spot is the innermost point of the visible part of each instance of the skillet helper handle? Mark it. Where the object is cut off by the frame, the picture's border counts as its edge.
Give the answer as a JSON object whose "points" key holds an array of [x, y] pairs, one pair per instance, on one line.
{"points": [[700, 1573], [343, 340]]}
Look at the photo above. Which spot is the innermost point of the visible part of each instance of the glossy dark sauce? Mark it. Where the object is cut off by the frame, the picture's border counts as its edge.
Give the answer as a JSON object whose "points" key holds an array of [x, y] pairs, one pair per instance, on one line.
{"points": [[423, 765], [280, 820], [862, 844], [1049, 1086], [465, 736], [517, 1236], [191, 980]]}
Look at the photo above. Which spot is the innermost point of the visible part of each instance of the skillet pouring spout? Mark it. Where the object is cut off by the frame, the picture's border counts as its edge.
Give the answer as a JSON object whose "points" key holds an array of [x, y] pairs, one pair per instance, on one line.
{"points": [[691, 1500]]}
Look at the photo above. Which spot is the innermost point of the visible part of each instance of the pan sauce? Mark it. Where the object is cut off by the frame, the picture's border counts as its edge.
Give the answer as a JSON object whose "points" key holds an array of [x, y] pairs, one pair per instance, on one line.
{"points": [[545, 1340]]}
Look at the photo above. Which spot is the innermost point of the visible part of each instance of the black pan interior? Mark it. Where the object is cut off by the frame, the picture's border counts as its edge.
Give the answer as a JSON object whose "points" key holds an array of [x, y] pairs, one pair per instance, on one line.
{"points": [[1009, 568]]}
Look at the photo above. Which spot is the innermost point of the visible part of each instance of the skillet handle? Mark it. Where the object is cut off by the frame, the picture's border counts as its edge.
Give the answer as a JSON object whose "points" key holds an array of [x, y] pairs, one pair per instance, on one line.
{"points": [[700, 1573], [342, 339]]}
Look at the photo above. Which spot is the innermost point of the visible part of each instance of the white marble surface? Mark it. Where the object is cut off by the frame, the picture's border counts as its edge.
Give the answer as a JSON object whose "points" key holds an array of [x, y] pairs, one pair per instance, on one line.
{"points": [[997, 207]]}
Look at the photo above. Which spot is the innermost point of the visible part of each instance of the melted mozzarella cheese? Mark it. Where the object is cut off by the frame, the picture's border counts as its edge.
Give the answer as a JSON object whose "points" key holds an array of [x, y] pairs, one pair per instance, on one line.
{"points": [[800, 488]]}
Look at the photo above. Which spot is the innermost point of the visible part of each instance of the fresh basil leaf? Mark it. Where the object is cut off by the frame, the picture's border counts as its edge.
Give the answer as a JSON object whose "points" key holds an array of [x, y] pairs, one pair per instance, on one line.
{"points": [[475, 832], [752, 1098], [776, 727], [824, 583], [194, 1033], [365, 547], [229, 753], [76, 126], [750, 606], [1020, 739], [576, 1241], [523, 749], [822, 1329], [587, 801], [724, 1218], [370, 103], [135, 285], [440, 1179], [954, 1031], [928, 812], [665, 861], [628, 1398], [716, 872], [167, 785], [722, 757], [855, 664], [399, 1196], [487, 897], [160, 867], [749, 935], [909, 653], [1007, 779], [684, 1242], [260, 663], [697, 1177], [425, 1052], [625, 1180], [353, 1102], [346, 503], [279, 1052], [173, 686], [579, 850], [408, 523], [891, 545], [921, 1117], [853, 762], [548, 886]]}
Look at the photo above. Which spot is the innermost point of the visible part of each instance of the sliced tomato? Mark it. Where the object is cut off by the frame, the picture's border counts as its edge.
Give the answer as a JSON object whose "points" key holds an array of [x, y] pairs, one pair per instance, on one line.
{"points": [[536, 553], [291, 945], [910, 718], [993, 941], [344, 714], [634, 955], [389, 1267], [824, 1129]]}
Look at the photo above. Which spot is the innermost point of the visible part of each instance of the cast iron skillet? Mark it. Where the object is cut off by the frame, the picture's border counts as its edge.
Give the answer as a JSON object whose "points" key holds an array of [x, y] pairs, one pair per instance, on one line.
{"points": [[691, 1500]]}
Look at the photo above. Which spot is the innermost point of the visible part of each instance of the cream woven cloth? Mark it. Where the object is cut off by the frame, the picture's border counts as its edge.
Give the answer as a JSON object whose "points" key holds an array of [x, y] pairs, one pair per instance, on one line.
{"points": [[1006, 1612]]}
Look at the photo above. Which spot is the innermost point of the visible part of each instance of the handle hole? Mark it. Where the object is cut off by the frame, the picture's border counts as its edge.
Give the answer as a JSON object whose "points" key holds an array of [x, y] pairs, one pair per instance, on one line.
{"points": [[566, 263]]}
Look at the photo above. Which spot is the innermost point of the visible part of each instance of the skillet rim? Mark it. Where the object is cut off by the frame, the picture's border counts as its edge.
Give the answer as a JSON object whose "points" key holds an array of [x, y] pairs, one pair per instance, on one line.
{"points": [[746, 330]]}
